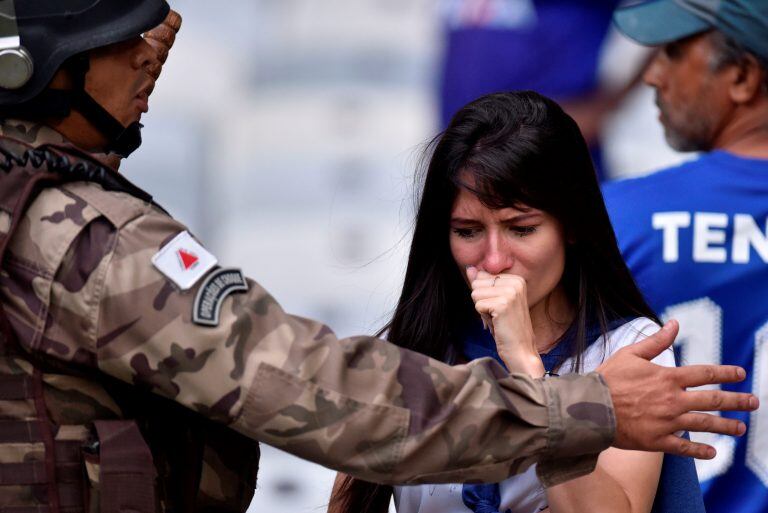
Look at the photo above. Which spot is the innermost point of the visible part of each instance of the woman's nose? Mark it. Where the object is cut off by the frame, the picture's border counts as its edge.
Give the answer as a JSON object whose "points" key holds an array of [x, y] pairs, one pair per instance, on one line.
{"points": [[498, 257]]}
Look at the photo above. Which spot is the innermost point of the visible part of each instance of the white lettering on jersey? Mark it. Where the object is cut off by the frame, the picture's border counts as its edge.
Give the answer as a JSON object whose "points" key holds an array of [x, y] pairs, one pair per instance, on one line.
{"points": [[746, 234], [709, 229], [670, 223], [710, 236]]}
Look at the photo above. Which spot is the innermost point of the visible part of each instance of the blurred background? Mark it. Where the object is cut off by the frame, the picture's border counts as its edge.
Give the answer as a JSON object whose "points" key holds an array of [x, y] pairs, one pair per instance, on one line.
{"points": [[286, 134]]}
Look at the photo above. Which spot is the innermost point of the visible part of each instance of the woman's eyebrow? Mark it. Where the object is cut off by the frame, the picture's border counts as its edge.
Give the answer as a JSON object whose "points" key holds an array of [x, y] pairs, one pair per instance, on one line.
{"points": [[525, 216], [521, 217], [464, 220]]}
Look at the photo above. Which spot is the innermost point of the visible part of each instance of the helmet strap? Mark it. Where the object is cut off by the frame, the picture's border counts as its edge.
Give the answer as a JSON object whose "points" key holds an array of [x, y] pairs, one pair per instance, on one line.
{"points": [[122, 140], [58, 103]]}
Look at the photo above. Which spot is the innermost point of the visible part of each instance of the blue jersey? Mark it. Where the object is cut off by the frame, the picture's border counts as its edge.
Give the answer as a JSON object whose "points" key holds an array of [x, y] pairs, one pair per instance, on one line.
{"points": [[696, 240]]}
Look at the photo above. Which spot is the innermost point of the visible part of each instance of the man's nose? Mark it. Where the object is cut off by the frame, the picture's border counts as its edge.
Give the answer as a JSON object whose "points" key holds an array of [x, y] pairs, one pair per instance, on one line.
{"points": [[653, 72]]}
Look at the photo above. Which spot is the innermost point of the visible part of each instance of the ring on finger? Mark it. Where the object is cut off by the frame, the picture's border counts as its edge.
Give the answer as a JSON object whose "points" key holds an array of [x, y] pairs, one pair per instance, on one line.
{"points": [[494, 281]]}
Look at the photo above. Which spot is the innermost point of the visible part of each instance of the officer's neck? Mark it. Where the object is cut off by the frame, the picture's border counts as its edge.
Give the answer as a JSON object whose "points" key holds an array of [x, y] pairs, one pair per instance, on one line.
{"points": [[80, 132], [75, 127]]}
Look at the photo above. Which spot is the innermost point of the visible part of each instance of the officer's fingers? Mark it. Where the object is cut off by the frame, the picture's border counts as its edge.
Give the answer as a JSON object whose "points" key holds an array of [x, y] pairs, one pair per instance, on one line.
{"points": [[718, 400], [173, 20], [681, 447], [705, 422], [161, 39], [698, 375], [161, 49], [167, 30]]}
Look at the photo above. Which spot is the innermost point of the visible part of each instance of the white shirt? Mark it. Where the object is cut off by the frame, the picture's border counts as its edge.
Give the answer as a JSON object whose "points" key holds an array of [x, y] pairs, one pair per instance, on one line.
{"points": [[524, 493]]}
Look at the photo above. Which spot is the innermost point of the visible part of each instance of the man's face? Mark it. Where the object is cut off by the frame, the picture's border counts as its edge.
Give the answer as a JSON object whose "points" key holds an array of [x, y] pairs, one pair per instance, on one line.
{"points": [[693, 99], [118, 78]]}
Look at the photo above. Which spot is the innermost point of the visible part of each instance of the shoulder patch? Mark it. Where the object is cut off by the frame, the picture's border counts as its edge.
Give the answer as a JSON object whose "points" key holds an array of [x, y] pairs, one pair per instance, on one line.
{"points": [[216, 287], [184, 261]]}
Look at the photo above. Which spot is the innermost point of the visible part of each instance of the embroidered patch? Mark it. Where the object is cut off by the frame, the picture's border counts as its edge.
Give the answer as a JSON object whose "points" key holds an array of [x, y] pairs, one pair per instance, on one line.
{"points": [[184, 261], [216, 287]]}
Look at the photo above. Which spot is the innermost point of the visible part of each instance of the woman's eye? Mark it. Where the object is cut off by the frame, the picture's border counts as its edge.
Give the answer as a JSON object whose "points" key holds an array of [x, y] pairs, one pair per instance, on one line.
{"points": [[464, 233], [522, 231]]}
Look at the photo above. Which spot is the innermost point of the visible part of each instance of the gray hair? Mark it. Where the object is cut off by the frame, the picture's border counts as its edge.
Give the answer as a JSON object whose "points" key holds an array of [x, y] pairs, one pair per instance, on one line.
{"points": [[728, 52]]}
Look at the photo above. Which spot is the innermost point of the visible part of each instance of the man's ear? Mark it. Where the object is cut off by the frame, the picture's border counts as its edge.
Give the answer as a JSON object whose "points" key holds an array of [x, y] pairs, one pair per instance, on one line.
{"points": [[748, 81]]}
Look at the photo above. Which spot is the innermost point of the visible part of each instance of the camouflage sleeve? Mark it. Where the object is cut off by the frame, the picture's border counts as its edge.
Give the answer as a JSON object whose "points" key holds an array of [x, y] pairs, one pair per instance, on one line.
{"points": [[358, 405]]}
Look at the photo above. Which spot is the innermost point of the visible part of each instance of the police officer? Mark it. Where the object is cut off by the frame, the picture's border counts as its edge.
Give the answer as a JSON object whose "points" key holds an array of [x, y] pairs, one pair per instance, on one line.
{"points": [[130, 352]]}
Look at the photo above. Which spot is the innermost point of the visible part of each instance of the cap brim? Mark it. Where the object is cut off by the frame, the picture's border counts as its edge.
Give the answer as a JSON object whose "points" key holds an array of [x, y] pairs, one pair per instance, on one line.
{"points": [[657, 23]]}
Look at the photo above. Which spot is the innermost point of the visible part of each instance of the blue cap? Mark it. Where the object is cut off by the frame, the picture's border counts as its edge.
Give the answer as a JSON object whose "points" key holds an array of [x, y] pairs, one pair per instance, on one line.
{"points": [[662, 21]]}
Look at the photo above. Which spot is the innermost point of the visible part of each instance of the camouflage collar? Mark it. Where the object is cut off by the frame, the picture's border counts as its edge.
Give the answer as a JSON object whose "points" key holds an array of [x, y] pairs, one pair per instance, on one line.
{"points": [[23, 142], [34, 134]]}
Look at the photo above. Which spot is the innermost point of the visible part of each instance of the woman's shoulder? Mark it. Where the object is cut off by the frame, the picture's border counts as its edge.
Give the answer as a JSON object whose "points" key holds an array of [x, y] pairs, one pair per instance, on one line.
{"points": [[623, 335], [631, 332]]}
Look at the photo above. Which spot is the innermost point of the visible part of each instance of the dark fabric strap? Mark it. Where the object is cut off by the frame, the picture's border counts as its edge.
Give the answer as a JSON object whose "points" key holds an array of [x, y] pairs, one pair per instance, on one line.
{"points": [[27, 473], [20, 432], [70, 475], [69, 451], [15, 388], [70, 497], [126, 471], [26, 509]]}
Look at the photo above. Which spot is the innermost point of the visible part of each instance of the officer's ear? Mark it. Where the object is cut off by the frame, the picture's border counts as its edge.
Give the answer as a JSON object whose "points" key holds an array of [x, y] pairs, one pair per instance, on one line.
{"points": [[748, 80], [62, 79]]}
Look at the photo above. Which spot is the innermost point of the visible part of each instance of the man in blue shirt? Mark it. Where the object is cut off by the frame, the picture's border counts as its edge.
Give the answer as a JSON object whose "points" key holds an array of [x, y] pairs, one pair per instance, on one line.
{"points": [[695, 236]]}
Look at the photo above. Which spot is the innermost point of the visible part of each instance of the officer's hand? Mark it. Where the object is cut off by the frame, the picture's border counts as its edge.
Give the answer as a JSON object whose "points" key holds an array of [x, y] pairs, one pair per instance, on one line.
{"points": [[651, 401], [161, 38]]}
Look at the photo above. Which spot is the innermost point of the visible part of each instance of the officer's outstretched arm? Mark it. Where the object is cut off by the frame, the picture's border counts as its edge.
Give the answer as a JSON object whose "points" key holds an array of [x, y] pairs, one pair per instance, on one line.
{"points": [[359, 405]]}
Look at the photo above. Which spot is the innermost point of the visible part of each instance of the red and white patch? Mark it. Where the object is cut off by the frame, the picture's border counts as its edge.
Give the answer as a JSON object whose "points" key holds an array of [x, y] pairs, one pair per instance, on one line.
{"points": [[187, 259], [184, 261]]}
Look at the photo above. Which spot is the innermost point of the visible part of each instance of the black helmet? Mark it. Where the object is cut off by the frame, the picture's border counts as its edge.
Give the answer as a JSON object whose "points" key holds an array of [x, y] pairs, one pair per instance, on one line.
{"points": [[37, 37], [52, 31]]}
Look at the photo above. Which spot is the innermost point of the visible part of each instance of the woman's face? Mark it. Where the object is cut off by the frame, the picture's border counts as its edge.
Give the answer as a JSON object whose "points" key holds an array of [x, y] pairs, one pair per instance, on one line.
{"points": [[527, 242]]}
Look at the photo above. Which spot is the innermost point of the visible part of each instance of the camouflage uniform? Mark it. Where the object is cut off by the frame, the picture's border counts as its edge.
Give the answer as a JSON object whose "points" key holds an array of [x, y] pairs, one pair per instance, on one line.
{"points": [[84, 298]]}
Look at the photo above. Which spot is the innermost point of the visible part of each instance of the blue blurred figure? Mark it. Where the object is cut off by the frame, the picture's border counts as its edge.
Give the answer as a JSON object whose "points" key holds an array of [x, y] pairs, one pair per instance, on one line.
{"points": [[549, 46]]}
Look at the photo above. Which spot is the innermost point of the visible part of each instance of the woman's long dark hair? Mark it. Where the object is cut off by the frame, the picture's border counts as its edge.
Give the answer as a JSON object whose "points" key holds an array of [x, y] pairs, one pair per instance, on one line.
{"points": [[520, 149]]}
